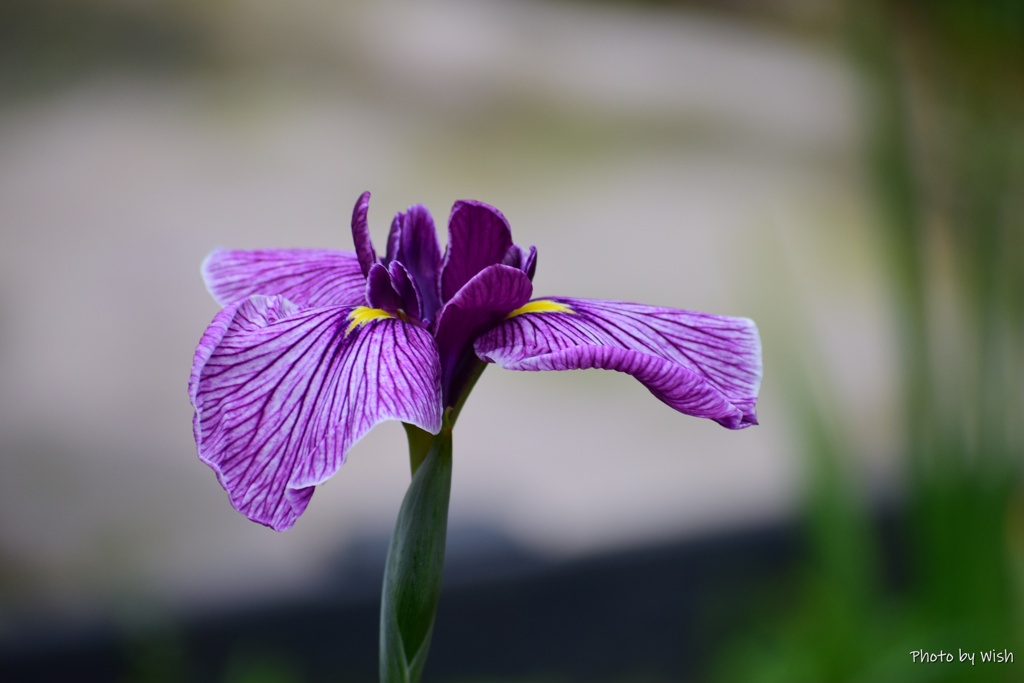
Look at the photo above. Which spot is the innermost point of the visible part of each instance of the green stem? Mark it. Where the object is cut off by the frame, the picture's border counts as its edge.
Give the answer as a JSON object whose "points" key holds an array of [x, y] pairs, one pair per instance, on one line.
{"points": [[420, 442], [415, 564]]}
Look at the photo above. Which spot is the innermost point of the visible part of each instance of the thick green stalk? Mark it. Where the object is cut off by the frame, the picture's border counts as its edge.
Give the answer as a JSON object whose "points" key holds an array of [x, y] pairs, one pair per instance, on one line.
{"points": [[420, 442], [415, 564]]}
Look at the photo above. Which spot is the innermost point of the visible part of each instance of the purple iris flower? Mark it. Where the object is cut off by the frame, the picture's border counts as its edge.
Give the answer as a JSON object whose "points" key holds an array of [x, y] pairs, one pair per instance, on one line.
{"points": [[315, 347]]}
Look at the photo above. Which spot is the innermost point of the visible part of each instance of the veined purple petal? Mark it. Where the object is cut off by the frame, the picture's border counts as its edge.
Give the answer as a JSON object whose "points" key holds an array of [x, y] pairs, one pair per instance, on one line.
{"points": [[483, 303], [394, 235], [523, 259], [280, 395], [403, 283], [700, 364], [478, 236], [361, 234], [413, 242], [379, 291], [307, 277]]}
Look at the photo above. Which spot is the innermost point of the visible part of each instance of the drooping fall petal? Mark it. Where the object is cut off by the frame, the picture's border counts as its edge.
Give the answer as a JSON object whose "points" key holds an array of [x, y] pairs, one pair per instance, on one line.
{"points": [[307, 277], [281, 394], [703, 365]]}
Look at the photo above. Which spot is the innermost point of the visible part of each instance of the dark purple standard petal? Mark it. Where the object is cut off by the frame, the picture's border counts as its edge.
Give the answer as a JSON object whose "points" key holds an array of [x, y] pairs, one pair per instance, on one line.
{"points": [[478, 236], [391, 289], [407, 291], [700, 364], [280, 395], [361, 234], [483, 303], [307, 277], [394, 235], [379, 291], [523, 259], [413, 242]]}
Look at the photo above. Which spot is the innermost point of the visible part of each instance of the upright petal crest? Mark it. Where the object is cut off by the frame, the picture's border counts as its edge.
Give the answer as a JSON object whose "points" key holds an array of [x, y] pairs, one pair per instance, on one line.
{"points": [[700, 364], [407, 290], [478, 236], [523, 259], [413, 243], [280, 395], [361, 234], [380, 293]]}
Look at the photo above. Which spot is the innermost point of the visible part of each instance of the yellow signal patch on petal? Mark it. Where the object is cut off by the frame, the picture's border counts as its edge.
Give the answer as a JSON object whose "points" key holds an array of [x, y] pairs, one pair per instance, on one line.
{"points": [[361, 315], [540, 306]]}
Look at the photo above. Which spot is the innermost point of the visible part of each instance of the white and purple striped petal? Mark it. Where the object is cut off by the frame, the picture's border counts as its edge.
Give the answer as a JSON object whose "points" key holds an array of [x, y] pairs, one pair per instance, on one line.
{"points": [[703, 365], [281, 394], [307, 277]]}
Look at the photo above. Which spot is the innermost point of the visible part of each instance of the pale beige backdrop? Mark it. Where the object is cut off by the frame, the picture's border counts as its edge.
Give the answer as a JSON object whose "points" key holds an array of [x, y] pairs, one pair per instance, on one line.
{"points": [[676, 160]]}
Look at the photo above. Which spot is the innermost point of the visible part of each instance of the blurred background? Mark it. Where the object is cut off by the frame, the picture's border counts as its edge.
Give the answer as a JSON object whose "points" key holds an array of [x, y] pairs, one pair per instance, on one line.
{"points": [[847, 174]]}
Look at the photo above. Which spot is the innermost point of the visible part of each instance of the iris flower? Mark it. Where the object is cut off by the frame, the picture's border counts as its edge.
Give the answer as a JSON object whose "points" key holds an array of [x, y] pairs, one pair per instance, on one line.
{"points": [[315, 347]]}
